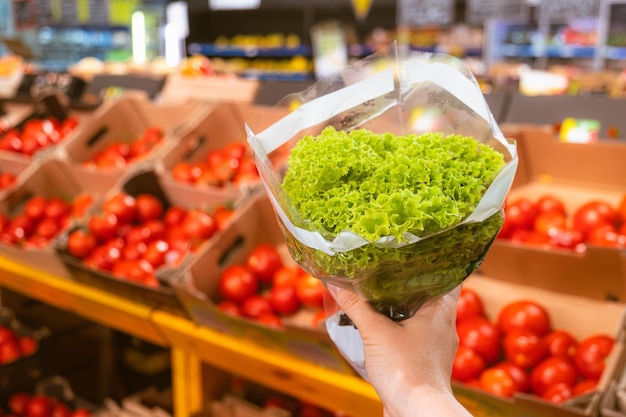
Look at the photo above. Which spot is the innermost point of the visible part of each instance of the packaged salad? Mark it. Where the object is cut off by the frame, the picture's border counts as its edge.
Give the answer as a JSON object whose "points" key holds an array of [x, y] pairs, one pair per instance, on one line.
{"points": [[388, 179]]}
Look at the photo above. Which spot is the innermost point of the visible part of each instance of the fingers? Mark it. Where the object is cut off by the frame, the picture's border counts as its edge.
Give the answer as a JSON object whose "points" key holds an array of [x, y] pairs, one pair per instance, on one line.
{"points": [[360, 311]]}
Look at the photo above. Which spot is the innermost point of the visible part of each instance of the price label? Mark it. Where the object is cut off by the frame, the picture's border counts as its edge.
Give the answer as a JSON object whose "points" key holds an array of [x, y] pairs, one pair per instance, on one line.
{"points": [[416, 13], [568, 8], [478, 11]]}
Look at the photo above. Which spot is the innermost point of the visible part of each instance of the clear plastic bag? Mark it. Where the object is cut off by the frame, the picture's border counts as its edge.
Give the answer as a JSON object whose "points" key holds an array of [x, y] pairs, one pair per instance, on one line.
{"points": [[398, 92]]}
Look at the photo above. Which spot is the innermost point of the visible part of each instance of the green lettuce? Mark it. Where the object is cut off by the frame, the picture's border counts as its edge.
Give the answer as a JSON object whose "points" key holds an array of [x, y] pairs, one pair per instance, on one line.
{"points": [[378, 185]]}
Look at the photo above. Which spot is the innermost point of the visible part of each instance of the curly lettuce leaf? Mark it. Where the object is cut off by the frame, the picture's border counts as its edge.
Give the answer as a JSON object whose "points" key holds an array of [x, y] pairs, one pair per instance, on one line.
{"points": [[380, 185]]}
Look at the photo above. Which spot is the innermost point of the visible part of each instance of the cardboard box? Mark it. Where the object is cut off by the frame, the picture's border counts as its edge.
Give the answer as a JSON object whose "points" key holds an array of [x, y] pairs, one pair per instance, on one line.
{"points": [[122, 120], [579, 315], [14, 166], [179, 89], [219, 126], [576, 173], [197, 290], [162, 297], [48, 178]]}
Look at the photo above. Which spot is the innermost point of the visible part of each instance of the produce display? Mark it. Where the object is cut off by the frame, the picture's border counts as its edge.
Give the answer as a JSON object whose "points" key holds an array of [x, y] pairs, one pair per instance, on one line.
{"points": [[26, 404], [382, 186], [14, 346], [41, 220], [119, 154], [231, 165], [267, 290], [519, 351], [133, 236], [546, 222], [37, 134]]}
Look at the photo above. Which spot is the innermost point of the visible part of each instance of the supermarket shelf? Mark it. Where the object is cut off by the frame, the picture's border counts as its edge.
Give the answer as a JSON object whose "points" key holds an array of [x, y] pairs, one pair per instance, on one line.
{"points": [[251, 52], [269, 367], [97, 305], [616, 52], [570, 51]]}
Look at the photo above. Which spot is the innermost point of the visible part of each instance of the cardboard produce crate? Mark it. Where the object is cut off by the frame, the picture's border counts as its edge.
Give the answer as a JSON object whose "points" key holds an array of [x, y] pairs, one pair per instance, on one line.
{"points": [[123, 120], [47, 178], [218, 126], [578, 315], [163, 296], [13, 166], [197, 288], [575, 173]]}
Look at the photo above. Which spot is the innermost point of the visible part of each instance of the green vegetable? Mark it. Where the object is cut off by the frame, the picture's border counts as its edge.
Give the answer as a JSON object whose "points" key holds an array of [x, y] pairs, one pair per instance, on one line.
{"points": [[378, 185]]}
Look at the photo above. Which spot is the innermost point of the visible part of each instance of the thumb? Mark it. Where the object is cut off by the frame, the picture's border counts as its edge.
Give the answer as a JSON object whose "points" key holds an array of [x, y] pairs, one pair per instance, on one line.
{"points": [[360, 311]]}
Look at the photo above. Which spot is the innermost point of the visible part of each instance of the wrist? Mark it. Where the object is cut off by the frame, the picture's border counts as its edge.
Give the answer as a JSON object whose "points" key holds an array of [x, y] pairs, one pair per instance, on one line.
{"points": [[426, 401]]}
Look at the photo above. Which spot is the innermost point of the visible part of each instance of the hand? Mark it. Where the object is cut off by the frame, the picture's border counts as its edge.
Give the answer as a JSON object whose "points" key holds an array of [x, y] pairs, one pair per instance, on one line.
{"points": [[409, 363]]}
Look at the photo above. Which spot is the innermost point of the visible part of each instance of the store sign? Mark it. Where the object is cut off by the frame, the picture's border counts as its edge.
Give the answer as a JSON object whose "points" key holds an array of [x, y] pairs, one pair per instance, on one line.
{"points": [[477, 11], [234, 4], [416, 13]]}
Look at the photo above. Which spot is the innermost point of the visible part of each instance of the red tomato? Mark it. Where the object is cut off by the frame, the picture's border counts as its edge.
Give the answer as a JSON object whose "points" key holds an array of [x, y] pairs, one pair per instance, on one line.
{"points": [[591, 354], [185, 173], [60, 410], [524, 314], [319, 319], [560, 343], [235, 150], [35, 207], [9, 352], [229, 307], [550, 204], [468, 305], [80, 243], [81, 204], [80, 412], [585, 386], [567, 238], [28, 345], [558, 393], [621, 209], [223, 216], [552, 370], [519, 375], [270, 320], [255, 306], [155, 252], [521, 213], [263, 260], [57, 208], [498, 382], [237, 282], [310, 291], [480, 334], [467, 364], [18, 403], [47, 228], [174, 216], [38, 406], [593, 214], [149, 207], [103, 226], [123, 206], [138, 271], [199, 225], [524, 348], [156, 228], [607, 236], [284, 300], [7, 180], [133, 251], [549, 222], [285, 275]]}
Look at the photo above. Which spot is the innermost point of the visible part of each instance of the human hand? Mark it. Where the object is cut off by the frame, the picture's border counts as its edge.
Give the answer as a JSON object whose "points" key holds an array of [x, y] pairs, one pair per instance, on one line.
{"points": [[409, 363]]}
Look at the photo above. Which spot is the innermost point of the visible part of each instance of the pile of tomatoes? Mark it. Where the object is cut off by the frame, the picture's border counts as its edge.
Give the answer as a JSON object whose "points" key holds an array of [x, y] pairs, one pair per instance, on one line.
{"points": [[232, 164], [14, 346], [41, 220], [24, 404], [7, 179], [133, 236], [520, 351], [265, 289], [37, 134], [119, 154], [545, 222]]}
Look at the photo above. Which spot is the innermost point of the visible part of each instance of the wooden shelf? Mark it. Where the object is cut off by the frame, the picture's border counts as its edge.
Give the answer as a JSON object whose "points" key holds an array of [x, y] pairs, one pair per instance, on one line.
{"points": [[193, 345]]}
